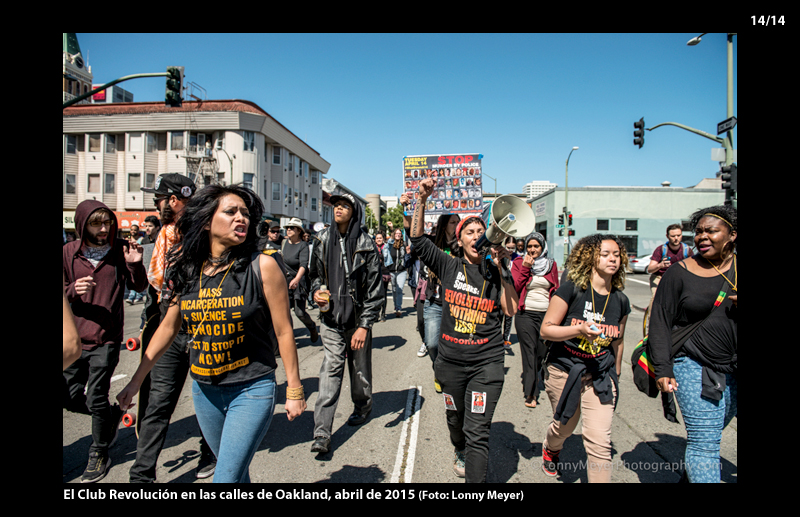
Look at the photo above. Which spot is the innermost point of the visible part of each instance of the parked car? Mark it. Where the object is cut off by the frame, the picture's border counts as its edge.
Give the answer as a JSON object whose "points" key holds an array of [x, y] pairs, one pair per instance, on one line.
{"points": [[639, 264]]}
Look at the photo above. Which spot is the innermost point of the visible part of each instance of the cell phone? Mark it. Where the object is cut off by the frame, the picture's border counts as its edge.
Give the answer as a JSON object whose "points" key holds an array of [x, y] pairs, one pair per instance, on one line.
{"points": [[594, 327]]}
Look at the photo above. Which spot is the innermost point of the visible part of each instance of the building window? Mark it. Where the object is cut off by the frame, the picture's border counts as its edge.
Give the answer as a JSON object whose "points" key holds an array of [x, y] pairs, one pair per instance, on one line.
{"points": [[291, 159], [602, 225], [111, 143], [134, 182], [249, 141], [176, 140], [305, 169], [276, 155], [248, 180], [276, 191], [135, 144], [70, 184], [314, 177], [288, 198], [110, 184], [93, 185], [151, 143], [94, 142], [631, 225], [72, 143], [313, 204]]}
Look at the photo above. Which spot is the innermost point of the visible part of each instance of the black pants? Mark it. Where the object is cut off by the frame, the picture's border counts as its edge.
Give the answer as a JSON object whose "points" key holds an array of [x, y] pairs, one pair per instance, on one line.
{"points": [[93, 372], [166, 382], [533, 348], [471, 387]]}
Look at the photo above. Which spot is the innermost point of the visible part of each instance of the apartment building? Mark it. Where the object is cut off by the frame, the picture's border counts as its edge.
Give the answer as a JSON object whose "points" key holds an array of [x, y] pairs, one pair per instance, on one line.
{"points": [[112, 150]]}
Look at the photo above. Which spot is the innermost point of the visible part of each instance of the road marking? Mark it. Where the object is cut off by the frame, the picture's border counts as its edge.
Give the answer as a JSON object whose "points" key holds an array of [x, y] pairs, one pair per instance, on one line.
{"points": [[628, 279], [407, 449], [118, 377]]}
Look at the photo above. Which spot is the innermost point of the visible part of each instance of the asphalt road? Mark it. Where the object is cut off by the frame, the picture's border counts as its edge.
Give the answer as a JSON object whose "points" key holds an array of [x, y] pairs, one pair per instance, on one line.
{"points": [[406, 439]]}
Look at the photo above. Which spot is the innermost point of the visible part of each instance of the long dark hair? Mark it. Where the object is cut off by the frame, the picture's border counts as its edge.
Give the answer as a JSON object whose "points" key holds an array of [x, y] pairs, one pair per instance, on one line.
{"points": [[185, 260]]}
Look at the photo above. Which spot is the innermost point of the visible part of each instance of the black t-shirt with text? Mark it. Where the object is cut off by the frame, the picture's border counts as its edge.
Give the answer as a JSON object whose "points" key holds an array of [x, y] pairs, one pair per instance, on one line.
{"points": [[230, 327], [606, 311], [471, 311]]}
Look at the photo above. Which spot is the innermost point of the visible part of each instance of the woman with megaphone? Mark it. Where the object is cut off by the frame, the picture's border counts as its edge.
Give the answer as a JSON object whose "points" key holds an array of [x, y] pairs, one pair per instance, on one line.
{"points": [[469, 366]]}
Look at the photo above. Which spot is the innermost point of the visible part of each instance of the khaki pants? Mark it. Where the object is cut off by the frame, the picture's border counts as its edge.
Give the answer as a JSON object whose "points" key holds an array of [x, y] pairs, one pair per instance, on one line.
{"points": [[596, 424]]}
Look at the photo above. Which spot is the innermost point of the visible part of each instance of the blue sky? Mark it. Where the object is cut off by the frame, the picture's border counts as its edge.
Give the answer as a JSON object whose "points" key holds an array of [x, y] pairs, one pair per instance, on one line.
{"points": [[522, 100]]}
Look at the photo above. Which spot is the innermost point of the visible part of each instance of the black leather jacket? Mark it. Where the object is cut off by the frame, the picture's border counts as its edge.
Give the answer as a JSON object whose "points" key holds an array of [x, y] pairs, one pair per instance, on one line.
{"points": [[365, 277]]}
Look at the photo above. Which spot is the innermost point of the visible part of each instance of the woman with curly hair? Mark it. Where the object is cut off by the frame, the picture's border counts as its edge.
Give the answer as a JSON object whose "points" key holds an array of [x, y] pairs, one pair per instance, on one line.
{"points": [[702, 290], [234, 302], [586, 323]]}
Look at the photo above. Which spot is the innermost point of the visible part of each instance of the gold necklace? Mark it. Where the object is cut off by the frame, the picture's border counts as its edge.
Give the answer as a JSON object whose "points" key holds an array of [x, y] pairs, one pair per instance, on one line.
{"points": [[595, 306], [205, 310], [466, 281], [735, 272]]}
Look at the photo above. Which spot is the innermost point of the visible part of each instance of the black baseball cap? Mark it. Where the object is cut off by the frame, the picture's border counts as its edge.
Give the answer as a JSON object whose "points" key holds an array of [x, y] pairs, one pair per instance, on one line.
{"points": [[173, 184]]}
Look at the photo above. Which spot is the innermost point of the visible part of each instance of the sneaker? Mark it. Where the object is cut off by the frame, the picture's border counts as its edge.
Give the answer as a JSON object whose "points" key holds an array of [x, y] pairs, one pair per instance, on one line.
{"points": [[460, 464], [206, 466], [550, 462], [314, 334], [436, 385], [97, 467], [423, 351], [507, 345], [321, 445]]}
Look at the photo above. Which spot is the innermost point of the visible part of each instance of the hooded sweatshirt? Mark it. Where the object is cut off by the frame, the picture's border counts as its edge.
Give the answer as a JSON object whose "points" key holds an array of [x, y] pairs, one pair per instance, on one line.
{"points": [[343, 313], [99, 314]]}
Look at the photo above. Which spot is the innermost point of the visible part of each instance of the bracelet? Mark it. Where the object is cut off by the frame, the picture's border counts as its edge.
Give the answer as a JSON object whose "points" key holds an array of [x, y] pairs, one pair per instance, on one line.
{"points": [[295, 393]]}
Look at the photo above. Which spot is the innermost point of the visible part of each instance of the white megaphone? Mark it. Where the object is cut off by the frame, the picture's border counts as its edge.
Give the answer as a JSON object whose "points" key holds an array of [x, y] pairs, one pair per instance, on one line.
{"points": [[509, 216]]}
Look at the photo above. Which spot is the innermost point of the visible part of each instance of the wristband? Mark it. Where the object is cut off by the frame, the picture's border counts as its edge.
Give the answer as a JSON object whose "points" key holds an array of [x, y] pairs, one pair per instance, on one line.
{"points": [[295, 393]]}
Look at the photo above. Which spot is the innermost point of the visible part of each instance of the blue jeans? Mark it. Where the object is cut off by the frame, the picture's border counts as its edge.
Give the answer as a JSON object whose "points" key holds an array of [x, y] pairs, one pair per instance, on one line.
{"points": [[432, 313], [398, 282], [704, 418], [234, 420]]}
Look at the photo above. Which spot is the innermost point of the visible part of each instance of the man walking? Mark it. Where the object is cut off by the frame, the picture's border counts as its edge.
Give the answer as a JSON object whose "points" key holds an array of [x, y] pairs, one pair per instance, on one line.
{"points": [[345, 260], [97, 267], [172, 192]]}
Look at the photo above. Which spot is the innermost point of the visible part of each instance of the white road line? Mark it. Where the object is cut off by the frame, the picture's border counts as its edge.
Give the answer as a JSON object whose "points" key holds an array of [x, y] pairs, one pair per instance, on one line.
{"points": [[414, 392], [412, 446], [628, 279], [118, 377]]}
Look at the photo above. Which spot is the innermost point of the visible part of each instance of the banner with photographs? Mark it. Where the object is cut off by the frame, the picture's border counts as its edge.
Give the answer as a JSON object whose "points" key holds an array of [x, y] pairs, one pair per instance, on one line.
{"points": [[458, 187]]}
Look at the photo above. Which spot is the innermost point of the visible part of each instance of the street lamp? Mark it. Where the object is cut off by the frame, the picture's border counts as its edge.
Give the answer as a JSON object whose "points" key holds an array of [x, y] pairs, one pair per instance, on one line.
{"points": [[729, 147], [566, 205]]}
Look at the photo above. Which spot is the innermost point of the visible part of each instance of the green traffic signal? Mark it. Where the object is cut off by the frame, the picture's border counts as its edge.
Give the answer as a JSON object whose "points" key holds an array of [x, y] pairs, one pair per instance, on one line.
{"points": [[174, 93], [638, 134]]}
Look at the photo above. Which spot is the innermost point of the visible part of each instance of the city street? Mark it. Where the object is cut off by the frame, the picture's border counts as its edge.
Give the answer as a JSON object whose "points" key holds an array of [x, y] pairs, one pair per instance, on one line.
{"points": [[406, 438]]}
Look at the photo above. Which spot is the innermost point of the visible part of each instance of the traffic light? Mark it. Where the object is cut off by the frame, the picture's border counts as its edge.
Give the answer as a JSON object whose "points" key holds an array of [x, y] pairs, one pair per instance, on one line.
{"points": [[728, 177], [561, 219], [174, 94], [571, 232], [638, 134], [569, 217]]}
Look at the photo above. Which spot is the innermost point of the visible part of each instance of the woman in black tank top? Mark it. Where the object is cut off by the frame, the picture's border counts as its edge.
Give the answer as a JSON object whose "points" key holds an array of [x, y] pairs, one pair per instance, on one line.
{"points": [[234, 303]]}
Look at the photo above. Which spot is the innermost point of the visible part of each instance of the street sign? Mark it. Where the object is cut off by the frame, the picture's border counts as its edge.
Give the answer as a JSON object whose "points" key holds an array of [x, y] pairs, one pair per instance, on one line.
{"points": [[726, 125], [559, 226]]}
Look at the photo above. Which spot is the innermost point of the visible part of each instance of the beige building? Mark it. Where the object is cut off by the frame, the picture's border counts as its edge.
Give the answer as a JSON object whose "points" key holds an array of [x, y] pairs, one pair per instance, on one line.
{"points": [[112, 150]]}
